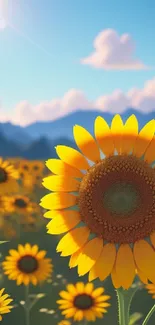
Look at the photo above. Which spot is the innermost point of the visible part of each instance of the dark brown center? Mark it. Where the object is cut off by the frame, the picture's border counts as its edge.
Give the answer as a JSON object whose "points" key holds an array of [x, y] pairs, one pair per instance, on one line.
{"points": [[20, 203], [27, 264], [83, 301], [3, 175]]}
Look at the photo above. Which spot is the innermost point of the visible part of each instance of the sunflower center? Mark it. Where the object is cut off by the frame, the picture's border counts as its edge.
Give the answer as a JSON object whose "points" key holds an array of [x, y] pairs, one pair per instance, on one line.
{"points": [[3, 175], [117, 199], [121, 199], [28, 264], [83, 301], [20, 203]]}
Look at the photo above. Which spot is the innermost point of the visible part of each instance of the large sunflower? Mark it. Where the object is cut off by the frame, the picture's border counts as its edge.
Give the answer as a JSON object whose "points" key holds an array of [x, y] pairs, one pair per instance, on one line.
{"points": [[82, 301], [8, 178], [108, 191], [27, 264], [5, 308], [21, 204]]}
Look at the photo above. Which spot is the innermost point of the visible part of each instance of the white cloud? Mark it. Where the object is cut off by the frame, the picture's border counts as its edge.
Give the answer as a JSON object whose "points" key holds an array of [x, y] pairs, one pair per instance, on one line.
{"points": [[3, 13], [113, 52], [143, 100]]}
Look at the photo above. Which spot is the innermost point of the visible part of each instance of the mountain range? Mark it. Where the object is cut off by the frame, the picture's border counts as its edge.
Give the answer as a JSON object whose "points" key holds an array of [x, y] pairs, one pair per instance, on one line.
{"points": [[37, 141]]}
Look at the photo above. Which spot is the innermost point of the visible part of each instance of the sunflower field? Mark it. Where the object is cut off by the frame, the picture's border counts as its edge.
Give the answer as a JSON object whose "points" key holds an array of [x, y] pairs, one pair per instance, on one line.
{"points": [[78, 232]]}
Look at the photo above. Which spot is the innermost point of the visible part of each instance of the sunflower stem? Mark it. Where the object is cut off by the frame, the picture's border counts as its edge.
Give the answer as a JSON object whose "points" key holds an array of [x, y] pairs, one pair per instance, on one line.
{"points": [[124, 302], [27, 309], [150, 313]]}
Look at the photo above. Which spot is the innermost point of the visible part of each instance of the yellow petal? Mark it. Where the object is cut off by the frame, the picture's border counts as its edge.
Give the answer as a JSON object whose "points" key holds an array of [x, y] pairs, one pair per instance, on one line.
{"points": [[65, 295], [64, 221], [125, 265], [89, 255], [97, 292], [60, 183], [86, 143], [144, 138], [69, 312], [27, 248], [59, 167], [105, 262], [145, 258], [56, 201], [71, 289], [14, 253], [78, 315], [72, 157], [80, 287], [150, 152], [142, 276], [51, 214], [130, 134], [103, 136], [73, 240], [41, 254], [117, 129], [74, 258], [89, 287]]}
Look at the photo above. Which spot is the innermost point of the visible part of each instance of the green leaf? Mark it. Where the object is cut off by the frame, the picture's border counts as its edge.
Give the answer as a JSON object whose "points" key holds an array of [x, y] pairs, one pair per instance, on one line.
{"points": [[3, 241], [134, 318]]}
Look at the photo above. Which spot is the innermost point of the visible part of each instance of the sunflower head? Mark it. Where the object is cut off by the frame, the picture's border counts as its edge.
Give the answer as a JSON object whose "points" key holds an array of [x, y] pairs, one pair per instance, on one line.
{"points": [[106, 191], [20, 204], [5, 301], [8, 177], [83, 301], [27, 264]]}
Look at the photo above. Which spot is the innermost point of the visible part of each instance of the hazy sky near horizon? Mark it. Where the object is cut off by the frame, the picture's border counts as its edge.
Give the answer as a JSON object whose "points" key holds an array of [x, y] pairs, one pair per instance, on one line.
{"points": [[57, 55]]}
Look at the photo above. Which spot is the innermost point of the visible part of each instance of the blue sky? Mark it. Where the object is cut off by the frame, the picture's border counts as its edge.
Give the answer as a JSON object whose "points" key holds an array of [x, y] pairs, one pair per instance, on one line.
{"points": [[65, 29]]}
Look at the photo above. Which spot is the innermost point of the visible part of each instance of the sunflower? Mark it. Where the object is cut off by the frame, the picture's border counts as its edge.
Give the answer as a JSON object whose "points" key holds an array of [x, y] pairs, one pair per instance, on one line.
{"points": [[24, 165], [37, 167], [5, 308], [151, 289], [27, 264], [104, 198], [82, 301], [8, 178], [64, 322], [20, 204]]}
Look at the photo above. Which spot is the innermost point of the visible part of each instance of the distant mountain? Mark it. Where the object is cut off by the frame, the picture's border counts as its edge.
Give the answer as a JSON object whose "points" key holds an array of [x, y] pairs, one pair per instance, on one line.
{"points": [[63, 127], [41, 149], [8, 148], [15, 133]]}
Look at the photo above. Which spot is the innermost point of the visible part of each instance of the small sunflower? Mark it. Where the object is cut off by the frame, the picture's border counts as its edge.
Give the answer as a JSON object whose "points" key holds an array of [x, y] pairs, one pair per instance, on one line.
{"points": [[8, 178], [24, 165], [27, 264], [5, 308], [20, 204], [104, 198], [82, 301], [151, 289], [64, 322], [37, 167]]}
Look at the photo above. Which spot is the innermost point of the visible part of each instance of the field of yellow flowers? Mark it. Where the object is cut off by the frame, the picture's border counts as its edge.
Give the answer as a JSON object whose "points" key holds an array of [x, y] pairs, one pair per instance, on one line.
{"points": [[36, 284]]}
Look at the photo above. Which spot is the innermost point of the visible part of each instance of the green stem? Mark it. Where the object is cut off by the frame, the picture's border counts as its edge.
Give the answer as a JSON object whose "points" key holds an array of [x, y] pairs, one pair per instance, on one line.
{"points": [[149, 315], [124, 302], [27, 309]]}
